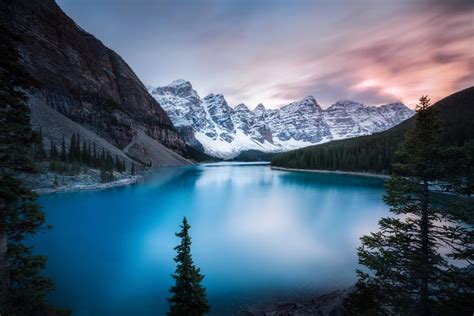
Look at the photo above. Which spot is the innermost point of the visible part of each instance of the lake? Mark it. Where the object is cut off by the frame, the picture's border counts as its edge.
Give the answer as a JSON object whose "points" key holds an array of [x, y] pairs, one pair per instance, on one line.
{"points": [[257, 234]]}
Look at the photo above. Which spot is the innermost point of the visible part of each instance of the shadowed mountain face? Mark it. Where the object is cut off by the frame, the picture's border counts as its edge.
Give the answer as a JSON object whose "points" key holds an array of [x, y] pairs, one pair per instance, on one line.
{"points": [[84, 80]]}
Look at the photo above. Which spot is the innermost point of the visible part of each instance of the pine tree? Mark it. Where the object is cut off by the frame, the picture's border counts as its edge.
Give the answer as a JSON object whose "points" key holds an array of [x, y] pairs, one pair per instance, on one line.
{"points": [[63, 150], [23, 290], [38, 151], [72, 146], [77, 149], [133, 169], [410, 271], [94, 156], [188, 295], [103, 175], [53, 151], [84, 153], [106, 175], [109, 162], [118, 165]]}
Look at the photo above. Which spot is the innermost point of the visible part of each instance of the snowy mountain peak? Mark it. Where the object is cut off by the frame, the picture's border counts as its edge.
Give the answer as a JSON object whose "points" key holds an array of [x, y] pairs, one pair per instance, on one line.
{"points": [[307, 101], [215, 98], [307, 104], [347, 104], [180, 88], [241, 108], [310, 99], [210, 124], [260, 112], [180, 82], [260, 107]]}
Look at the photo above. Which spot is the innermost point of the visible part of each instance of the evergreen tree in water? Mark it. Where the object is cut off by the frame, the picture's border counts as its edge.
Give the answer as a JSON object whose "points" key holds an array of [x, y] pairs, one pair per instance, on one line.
{"points": [[411, 258], [188, 295]]}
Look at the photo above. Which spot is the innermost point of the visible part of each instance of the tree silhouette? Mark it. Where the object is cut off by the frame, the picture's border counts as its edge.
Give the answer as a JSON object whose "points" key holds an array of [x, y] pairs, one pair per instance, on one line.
{"points": [[188, 295], [410, 258], [23, 288]]}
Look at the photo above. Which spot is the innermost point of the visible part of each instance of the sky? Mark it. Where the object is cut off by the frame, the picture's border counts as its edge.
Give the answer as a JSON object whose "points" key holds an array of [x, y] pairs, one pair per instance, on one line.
{"points": [[278, 51]]}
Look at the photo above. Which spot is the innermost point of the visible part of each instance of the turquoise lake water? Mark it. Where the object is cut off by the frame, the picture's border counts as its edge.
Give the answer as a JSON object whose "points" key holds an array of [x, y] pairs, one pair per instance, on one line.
{"points": [[257, 234]]}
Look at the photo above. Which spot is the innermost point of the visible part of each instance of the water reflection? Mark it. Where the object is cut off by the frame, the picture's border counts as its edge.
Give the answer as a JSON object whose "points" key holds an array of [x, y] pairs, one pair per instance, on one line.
{"points": [[256, 232]]}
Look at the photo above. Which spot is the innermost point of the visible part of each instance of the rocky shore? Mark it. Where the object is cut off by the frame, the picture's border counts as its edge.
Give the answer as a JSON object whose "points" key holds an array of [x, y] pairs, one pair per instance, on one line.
{"points": [[46, 182], [326, 304]]}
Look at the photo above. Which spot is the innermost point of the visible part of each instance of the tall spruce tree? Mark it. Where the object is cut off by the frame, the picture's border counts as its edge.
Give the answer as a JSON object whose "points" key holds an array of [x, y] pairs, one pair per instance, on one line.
{"points": [[188, 295], [72, 146], [94, 158], [410, 260], [23, 290], [53, 151], [38, 151], [118, 163], [133, 169], [84, 152], [63, 156]]}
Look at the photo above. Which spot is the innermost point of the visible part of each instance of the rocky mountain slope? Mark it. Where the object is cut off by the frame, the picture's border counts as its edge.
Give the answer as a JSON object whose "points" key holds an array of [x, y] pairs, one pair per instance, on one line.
{"points": [[210, 124], [88, 83]]}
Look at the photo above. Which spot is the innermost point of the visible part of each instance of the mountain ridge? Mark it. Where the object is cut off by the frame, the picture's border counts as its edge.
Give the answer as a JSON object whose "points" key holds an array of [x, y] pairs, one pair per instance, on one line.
{"points": [[212, 125]]}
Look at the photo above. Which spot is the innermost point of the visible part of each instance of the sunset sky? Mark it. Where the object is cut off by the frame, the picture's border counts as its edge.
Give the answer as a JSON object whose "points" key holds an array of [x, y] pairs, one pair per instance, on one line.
{"points": [[276, 52]]}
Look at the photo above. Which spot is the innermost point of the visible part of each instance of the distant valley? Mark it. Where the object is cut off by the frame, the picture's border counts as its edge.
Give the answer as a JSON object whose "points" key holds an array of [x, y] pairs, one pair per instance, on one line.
{"points": [[211, 125]]}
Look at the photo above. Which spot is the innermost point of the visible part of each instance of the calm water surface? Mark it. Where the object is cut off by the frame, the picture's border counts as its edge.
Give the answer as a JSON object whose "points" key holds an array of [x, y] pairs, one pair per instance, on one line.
{"points": [[257, 234]]}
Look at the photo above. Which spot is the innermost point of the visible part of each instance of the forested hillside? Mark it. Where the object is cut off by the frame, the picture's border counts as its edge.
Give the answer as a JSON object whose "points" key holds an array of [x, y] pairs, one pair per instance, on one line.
{"points": [[375, 153], [254, 155]]}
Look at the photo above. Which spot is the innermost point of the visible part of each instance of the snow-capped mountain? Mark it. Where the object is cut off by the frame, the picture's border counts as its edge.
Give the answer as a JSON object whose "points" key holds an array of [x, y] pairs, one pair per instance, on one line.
{"points": [[211, 125]]}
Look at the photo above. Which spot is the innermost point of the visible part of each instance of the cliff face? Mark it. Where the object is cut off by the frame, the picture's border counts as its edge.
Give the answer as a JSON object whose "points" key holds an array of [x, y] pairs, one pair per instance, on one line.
{"points": [[83, 79]]}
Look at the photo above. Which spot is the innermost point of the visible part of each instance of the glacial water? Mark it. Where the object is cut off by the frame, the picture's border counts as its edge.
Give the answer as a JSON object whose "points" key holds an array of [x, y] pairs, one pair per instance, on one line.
{"points": [[258, 234]]}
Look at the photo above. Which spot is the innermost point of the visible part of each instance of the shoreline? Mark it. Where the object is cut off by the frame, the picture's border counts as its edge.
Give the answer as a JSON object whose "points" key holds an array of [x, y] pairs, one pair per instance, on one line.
{"points": [[78, 187], [89, 187], [325, 303], [353, 173]]}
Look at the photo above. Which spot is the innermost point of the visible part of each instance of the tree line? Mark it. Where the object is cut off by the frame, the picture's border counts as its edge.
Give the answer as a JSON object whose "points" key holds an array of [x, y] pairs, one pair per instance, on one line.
{"points": [[367, 153], [69, 158]]}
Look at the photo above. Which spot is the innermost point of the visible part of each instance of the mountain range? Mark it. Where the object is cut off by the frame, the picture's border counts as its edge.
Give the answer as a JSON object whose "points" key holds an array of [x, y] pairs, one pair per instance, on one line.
{"points": [[210, 124]]}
